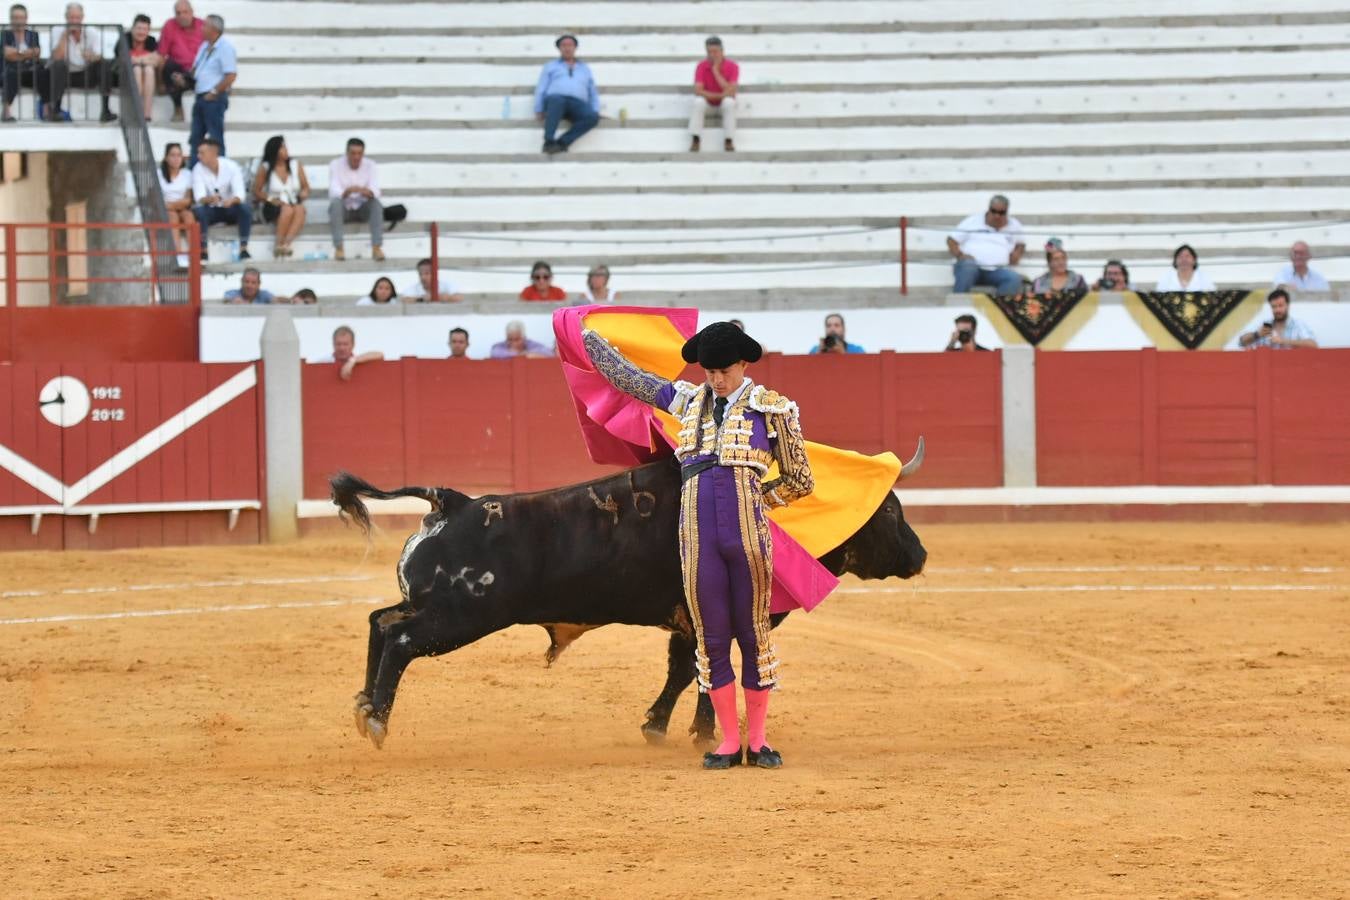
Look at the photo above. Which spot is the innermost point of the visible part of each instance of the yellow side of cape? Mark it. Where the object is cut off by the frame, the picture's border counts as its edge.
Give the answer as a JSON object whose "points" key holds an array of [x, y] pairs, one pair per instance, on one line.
{"points": [[849, 485]]}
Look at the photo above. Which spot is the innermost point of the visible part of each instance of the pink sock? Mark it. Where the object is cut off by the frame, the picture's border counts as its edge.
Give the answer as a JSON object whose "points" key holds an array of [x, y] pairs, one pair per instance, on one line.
{"points": [[724, 704], [756, 712]]}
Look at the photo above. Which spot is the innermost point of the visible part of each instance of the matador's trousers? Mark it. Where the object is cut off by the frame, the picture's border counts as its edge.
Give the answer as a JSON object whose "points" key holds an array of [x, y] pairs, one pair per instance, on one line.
{"points": [[726, 555]]}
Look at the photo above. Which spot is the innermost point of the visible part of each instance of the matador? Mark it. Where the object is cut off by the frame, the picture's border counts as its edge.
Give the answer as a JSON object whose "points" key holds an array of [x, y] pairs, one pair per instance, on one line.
{"points": [[731, 431]]}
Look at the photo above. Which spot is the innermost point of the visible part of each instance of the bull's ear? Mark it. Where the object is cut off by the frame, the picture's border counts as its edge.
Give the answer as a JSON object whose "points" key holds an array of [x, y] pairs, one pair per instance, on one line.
{"points": [[913, 465]]}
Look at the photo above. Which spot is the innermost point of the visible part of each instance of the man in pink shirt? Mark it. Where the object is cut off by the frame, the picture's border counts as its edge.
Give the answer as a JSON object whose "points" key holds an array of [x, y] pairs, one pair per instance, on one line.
{"points": [[179, 40], [715, 82]]}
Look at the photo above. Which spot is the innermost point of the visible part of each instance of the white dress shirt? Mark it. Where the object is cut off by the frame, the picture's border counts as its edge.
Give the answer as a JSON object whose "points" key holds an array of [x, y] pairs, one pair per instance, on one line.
{"points": [[342, 176], [1313, 281], [1199, 282], [227, 182]]}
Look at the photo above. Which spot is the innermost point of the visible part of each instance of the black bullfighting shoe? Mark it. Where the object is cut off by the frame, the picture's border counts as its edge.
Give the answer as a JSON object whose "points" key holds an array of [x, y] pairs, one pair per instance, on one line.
{"points": [[765, 757], [722, 760]]}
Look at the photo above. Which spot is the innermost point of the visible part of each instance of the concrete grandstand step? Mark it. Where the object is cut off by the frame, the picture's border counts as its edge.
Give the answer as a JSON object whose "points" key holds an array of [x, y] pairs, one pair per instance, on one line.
{"points": [[897, 141], [1083, 68], [428, 44], [1067, 103]]}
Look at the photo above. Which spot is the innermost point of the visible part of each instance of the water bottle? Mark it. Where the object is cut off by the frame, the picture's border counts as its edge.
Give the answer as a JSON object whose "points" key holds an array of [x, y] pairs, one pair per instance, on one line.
{"points": [[234, 251], [623, 117], [506, 107]]}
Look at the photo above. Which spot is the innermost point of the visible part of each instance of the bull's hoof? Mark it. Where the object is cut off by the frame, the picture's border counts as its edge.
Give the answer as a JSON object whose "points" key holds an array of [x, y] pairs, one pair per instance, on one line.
{"points": [[376, 731], [362, 712], [655, 734]]}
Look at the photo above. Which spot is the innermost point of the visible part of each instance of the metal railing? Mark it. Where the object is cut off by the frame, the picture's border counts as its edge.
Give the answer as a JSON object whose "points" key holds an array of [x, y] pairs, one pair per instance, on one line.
{"points": [[55, 259], [44, 80]]}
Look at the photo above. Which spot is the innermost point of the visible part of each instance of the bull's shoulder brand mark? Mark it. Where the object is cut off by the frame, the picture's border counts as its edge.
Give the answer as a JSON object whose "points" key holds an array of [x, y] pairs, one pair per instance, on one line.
{"points": [[1036, 315]]}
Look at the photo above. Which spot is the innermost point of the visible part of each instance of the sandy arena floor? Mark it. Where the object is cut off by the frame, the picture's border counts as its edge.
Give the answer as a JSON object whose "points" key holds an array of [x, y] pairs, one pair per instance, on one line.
{"points": [[1054, 710]]}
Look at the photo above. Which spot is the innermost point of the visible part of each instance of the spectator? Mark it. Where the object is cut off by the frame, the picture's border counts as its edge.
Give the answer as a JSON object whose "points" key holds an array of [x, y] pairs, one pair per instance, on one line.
{"points": [[142, 47], [1060, 277], [304, 297], [381, 292], [1115, 277], [459, 343], [420, 290], [1297, 276], [354, 196], [1184, 276], [344, 353], [1281, 332], [566, 90], [175, 183], [834, 340], [214, 71], [218, 190], [541, 286], [281, 186], [250, 289], [963, 338], [715, 81], [179, 40], [77, 61], [23, 64], [516, 344], [986, 247], [597, 287]]}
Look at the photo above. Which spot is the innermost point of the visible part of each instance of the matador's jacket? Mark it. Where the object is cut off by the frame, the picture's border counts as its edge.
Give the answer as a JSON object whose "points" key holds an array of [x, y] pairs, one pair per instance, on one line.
{"points": [[726, 548]]}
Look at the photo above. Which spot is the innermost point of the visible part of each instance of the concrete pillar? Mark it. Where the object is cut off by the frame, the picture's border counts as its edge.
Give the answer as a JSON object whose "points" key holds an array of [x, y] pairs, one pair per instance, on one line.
{"points": [[1019, 417], [285, 442]]}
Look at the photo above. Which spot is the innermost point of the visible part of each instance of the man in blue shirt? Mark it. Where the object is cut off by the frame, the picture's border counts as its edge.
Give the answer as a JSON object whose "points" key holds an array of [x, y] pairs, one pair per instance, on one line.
{"points": [[833, 341], [566, 90], [214, 72]]}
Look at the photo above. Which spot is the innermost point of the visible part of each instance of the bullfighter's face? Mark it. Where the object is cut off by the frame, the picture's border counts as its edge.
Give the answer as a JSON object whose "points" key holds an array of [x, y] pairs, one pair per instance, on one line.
{"points": [[724, 381]]}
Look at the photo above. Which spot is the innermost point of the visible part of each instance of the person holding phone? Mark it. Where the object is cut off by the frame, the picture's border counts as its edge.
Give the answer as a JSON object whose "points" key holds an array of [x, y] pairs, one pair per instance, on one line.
{"points": [[963, 338], [1280, 331]]}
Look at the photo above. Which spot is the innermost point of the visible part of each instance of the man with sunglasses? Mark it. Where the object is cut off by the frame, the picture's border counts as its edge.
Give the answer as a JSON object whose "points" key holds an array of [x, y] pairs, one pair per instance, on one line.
{"points": [[986, 247]]}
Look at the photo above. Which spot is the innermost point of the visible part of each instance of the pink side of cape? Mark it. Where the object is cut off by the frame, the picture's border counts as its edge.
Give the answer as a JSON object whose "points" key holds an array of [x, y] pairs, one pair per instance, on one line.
{"points": [[623, 431]]}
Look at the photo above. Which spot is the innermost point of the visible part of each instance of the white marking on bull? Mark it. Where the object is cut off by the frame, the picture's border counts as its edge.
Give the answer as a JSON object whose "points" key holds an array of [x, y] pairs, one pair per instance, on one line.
{"points": [[492, 508], [409, 546]]}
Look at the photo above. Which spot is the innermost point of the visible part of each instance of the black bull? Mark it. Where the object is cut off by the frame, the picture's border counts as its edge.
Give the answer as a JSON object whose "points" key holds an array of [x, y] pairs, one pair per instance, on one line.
{"points": [[570, 559]]}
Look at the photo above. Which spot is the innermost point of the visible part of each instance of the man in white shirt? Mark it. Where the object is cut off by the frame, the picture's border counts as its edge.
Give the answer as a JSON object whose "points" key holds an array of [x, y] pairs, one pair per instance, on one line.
{"points": [[77, 61], [1282, 332], [218, 189], [354, 196], [1297, 276], [420, 290], [986, 247]]}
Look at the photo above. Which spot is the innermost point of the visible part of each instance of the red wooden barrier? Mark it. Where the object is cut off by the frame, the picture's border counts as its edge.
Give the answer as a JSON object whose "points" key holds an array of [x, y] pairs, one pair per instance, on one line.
{"points": [[492, 425], [159, 451], [1144, 417]]}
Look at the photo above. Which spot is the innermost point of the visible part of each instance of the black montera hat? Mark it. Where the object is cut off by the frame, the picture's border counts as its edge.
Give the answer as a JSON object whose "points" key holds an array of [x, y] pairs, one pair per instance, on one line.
{"points": [[719, 345], [563, 37]]}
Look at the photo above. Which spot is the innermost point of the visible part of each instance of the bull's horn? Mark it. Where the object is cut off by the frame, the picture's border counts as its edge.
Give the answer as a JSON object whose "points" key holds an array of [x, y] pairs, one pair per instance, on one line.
{"points": [[912, 466]]}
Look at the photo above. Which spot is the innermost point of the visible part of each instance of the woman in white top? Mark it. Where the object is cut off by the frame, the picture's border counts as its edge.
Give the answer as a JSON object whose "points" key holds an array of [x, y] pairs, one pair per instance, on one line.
{"points": [[1184, 276], [381, 292], [281, 187], [175, 182], [597, 287]]}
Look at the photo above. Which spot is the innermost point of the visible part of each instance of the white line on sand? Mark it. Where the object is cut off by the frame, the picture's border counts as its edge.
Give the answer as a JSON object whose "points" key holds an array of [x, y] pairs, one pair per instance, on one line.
{"points": [[1100, 588], [189, 585], [191, 611], [1046, 570]]}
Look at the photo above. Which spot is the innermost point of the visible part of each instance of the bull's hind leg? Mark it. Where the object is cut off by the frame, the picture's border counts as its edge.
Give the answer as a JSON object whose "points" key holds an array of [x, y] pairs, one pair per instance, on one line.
{"points": [[679, 675], [380, 620], [430, 631]]}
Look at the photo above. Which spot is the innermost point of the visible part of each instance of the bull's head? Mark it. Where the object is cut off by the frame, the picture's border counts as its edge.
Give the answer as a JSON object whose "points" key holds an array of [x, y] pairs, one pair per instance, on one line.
{"points": [[885, 545]]}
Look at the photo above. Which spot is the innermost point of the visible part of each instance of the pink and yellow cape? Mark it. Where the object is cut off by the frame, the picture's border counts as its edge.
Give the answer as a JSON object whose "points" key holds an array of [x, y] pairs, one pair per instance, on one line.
{"points": [[623, 431]]}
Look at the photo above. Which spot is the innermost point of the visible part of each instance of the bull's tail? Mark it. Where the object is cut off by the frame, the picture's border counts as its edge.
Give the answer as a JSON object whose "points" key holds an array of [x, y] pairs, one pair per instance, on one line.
{"points": [[348, 491]]}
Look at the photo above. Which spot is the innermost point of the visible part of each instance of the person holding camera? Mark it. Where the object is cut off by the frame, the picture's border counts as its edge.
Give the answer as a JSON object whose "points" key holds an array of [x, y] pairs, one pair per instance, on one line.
{"points": [[1115, 277], [834, 341], [1281, 332], [963, 338]]}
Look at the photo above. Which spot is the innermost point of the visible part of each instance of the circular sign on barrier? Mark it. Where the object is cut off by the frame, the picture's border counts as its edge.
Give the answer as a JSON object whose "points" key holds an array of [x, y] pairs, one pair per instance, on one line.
{"points": [[64, 401]]}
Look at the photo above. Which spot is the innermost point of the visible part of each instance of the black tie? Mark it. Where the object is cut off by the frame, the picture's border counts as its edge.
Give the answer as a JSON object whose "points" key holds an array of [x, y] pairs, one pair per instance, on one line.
{"points": [[719, 410]]}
